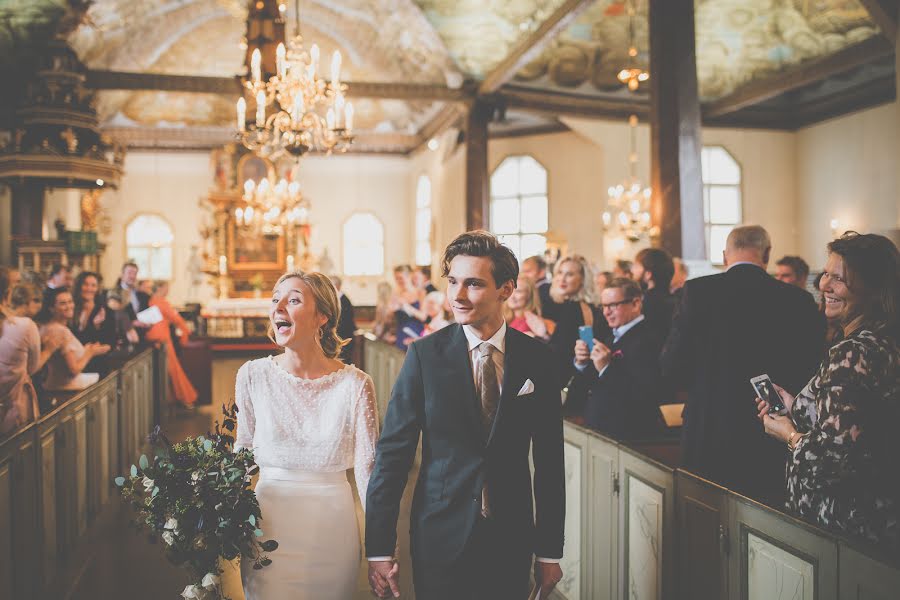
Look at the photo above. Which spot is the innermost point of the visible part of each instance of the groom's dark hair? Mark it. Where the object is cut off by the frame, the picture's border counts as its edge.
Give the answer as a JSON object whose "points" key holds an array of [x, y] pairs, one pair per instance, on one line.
{"points": [[504, 266]]}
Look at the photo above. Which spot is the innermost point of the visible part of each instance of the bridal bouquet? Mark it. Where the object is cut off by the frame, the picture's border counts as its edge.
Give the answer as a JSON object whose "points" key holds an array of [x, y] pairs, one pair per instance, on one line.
{"points": [[195, 496]]}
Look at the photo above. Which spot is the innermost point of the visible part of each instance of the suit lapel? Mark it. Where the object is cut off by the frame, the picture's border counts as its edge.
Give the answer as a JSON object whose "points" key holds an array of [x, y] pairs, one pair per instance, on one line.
{"points": [[513, 377], [458, 359]]}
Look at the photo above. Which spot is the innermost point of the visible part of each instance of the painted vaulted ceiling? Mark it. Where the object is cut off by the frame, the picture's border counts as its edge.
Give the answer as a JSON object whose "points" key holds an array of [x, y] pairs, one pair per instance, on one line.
{"points": [[442, 42]]}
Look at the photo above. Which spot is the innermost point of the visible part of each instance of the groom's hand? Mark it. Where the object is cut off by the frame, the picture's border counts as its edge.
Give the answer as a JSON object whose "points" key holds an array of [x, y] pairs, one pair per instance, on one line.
{"points": [[384, 578], [547, 575]]}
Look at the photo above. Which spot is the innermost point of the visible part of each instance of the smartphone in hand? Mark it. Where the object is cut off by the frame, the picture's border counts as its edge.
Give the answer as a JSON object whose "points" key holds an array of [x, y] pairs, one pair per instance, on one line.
{"points": [[764, 389], [586, 335]]}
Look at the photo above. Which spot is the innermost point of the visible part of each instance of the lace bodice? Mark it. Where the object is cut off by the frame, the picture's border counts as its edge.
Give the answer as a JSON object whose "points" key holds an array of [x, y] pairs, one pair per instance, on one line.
{"points": [[325, 424]]}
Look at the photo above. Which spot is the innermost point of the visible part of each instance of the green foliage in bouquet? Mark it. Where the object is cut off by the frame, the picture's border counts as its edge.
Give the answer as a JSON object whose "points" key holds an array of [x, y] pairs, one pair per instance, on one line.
{"points": [[195, 496]]}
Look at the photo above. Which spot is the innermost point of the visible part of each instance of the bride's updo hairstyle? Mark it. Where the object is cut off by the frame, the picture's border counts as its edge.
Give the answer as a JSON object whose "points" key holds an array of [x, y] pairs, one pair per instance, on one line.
{"points": [[327, 305]]}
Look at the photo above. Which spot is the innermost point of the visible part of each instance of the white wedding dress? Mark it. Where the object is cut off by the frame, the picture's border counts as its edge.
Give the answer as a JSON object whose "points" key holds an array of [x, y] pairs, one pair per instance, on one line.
{"points": [[305, 434]]}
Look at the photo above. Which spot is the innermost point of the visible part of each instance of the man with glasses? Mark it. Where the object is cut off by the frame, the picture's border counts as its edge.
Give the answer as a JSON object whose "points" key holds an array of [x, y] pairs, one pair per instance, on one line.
{"points": [[623, 371]]}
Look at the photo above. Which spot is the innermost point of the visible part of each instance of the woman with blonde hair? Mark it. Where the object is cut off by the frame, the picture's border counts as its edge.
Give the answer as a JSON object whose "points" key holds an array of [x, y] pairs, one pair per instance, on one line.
{"points": [[308, 418], [523, 311], [25, 300]]}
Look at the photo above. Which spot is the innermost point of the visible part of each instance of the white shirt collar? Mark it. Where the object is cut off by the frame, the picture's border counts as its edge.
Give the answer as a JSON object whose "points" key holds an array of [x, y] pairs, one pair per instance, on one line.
{"points": [[618, 332], [498, 340]]}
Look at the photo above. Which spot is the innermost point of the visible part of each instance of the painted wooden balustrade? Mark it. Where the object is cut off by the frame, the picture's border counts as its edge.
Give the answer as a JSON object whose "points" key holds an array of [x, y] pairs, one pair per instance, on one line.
{"points": [[56, 475], [640, 528]]}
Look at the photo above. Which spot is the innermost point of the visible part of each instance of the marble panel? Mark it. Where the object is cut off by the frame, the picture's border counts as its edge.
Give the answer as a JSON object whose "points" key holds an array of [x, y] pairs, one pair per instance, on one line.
{"points": [[644, 538], [775, 574], [570, 586]]}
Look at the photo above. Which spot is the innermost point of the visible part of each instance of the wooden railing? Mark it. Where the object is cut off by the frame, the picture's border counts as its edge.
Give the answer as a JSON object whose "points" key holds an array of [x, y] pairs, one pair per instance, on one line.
{"points": [[56, 475], [637, 526]]}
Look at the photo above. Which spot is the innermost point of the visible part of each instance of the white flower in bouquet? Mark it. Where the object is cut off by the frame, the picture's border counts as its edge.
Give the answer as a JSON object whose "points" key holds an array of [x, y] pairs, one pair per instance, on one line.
{"points": [[210, 581], [148, 484], [171, 524], [192, 592], [168, 537]]}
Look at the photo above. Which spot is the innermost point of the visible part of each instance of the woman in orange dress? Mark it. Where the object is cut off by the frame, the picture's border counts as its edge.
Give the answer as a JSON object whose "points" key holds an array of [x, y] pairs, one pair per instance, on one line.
{"points": [[182, 390]]}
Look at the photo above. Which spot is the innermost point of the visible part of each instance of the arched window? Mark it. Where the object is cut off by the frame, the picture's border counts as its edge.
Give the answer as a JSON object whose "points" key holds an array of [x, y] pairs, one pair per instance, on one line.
{"points": [[519, 205], [363, 245], [423, 221], [722, 203], [148, 242]]}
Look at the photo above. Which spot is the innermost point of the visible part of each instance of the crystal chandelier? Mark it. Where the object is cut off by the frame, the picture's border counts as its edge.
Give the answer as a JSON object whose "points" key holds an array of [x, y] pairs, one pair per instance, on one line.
{"points": [[298, 96], [628, 209], [271, 208], [633, 75]]}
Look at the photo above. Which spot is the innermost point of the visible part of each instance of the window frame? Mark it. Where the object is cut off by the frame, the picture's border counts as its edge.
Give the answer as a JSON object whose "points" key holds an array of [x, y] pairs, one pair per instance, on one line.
{"points": [[708, 224], [519, 196], [344, 244], [128, 256]]}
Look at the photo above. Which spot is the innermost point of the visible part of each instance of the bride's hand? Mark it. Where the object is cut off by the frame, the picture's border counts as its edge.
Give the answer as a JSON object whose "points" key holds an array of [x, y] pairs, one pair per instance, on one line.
{"points": [[384, 578]]}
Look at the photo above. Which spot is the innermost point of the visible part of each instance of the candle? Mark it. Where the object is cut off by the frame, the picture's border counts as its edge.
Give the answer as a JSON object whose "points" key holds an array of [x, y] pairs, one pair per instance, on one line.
{"points": [[338, 109], [290, 263], [329, 118], [280, 62], [348, 116], [314, 58], [298, 109], [260, 108], [242, 114], [223, 265], [255, 62], [336, 69]]}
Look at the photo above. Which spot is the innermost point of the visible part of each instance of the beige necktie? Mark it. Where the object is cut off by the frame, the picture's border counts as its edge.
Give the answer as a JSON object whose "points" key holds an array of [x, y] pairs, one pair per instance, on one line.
{"points": [[489, 393], [489, 390]]}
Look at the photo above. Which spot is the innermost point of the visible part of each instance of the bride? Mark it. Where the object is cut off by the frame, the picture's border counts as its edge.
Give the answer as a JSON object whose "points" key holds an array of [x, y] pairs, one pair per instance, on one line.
{"points": [[308, 418]]}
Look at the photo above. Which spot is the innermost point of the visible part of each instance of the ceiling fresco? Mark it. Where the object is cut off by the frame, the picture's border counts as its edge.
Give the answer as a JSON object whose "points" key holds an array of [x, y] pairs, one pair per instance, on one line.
{"points": [[738, 41]]}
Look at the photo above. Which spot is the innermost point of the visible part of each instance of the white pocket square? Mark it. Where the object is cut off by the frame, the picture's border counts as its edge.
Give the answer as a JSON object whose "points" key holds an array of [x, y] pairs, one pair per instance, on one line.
{"points": [[527, 388]]}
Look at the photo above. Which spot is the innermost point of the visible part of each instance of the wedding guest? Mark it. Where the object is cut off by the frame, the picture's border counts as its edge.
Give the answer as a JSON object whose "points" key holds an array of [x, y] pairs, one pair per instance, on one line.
{"points": [[435, 308], [406, 303], [90, 310], [182, 390], [25, 300], [346, 327], [622, 268], [622, 372], [653, 269], [60, 276], [523, 311], [680, 276], [20, 357], [134, 300], [573, 292], [602, 279], [15, 277], [123, 332], [384, 324], [833, 331], [535, 269], [728, 328], [792, 270], [70, 357], [422, 278], [145, 286], [841, 429]]}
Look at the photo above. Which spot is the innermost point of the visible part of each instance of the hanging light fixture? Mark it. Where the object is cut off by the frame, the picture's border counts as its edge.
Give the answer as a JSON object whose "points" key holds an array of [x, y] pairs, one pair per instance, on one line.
{"points": [[307, 112], [271, 208], [633, 74], [628, 204]]}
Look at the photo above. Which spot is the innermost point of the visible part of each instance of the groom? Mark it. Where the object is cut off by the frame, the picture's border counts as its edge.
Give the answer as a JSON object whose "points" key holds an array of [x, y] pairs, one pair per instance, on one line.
{"points": [[481, 395]]}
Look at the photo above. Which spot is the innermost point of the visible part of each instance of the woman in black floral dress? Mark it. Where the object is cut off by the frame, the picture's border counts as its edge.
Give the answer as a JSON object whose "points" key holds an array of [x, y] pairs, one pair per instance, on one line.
{"points": [[842, 429]]}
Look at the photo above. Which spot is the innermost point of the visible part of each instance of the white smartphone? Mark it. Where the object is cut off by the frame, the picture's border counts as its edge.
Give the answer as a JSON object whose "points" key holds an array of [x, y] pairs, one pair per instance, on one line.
{"points": [[764, 389]]}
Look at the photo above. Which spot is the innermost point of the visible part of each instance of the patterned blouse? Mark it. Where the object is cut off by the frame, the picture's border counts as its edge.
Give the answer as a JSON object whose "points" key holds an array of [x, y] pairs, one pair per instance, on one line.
{"points": [[843, 474]]}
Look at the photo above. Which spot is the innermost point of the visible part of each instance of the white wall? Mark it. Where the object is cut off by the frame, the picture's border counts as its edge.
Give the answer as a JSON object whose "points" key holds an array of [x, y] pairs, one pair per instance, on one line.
{"points": [[847, 170]]}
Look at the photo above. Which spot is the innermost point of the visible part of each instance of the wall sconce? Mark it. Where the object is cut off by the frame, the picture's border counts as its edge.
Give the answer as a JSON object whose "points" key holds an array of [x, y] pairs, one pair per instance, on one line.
{"points": [[835, 225]]}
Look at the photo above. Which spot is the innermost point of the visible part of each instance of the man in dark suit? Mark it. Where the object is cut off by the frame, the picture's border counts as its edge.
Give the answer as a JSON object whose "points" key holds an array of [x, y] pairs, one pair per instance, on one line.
{"points": [[134, 300], [481, 395], [622, 372], [535, 268], [729, 328], [653, 269], [346, 326]]}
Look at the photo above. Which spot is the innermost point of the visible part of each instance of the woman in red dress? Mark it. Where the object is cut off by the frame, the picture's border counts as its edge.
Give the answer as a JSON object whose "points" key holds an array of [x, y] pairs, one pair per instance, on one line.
{"points": [[181, 387]]}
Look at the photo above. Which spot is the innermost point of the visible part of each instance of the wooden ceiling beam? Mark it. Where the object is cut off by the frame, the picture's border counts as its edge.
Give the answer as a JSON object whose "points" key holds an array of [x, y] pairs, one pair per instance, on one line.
{"points": [[447, 117], [865, 52], [559, 103], [884, 13], [231, 86], [533, 45]]}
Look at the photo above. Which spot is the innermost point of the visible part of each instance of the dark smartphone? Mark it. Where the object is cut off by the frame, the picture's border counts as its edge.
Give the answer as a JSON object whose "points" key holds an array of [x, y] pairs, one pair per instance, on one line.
{"points": [[586, 335], [764, 389]]}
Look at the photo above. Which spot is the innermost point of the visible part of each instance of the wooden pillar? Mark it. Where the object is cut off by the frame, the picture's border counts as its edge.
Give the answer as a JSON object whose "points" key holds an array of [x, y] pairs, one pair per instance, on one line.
{"points": [[478, 197], [675, 139], [27, 211]]}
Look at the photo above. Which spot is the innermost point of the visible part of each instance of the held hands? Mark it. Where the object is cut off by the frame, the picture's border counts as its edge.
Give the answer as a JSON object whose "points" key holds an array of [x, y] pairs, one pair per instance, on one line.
{"points": [[780, 427], [384, 578], [547, 575], [601, 355], [582, 353], [100, 317]]}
